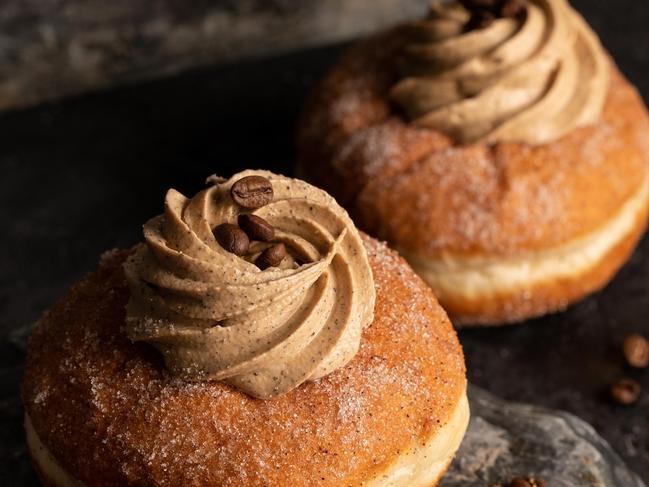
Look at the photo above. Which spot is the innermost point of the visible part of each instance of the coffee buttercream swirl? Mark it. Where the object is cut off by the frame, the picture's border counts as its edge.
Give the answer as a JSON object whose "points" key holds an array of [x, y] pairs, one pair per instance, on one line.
{"points": [[531, 78], [215, 315]]}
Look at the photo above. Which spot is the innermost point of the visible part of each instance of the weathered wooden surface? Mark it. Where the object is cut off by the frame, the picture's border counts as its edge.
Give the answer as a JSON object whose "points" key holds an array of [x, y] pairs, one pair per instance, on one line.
{"points": [[53, 48]]}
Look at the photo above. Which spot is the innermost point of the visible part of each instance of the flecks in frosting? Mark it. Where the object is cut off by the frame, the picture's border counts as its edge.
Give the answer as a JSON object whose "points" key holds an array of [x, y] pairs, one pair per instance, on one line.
{"points": [[531, 78], [215, 315]]}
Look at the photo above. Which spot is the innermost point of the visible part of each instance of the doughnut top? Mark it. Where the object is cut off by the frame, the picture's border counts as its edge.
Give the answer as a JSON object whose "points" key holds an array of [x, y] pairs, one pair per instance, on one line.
{"points": [[502, 70], [264, 307]]}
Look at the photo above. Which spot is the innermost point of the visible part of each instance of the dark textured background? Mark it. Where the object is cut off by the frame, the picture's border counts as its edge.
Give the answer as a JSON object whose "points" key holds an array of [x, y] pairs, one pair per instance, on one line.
{"points": [[80, 177], [53, 48]]}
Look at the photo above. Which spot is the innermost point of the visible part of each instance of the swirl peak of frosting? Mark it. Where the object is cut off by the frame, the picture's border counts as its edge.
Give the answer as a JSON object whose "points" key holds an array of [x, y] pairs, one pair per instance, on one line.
{"points": [[530, 78], [215, 315]]}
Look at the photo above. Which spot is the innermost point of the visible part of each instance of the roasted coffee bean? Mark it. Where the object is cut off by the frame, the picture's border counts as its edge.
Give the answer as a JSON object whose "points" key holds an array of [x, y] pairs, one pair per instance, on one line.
{"points": [[523, 482], [480, 19], [519, 482], [625, 391], [232, 238], [511, 8], [271, 257], [636, 351], [483, 10], [252, 192], [478, 4], [256, 228]]}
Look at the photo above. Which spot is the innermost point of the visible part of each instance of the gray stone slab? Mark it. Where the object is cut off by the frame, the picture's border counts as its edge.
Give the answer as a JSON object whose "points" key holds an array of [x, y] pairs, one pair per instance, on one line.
{"points": [[507, 440]]}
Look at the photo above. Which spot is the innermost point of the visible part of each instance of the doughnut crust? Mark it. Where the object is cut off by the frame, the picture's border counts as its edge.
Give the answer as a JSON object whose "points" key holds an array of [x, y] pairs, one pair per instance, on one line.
{"points": [[109, 413], [438, 202]]}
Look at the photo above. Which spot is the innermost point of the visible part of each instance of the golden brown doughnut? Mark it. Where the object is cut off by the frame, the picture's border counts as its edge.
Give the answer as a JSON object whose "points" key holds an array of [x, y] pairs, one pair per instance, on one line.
{"points": [[105, 411], [501, 231]]}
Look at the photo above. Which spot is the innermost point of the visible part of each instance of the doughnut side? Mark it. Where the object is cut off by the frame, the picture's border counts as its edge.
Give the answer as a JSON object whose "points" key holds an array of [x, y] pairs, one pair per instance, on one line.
{"points": [[110, 414], [495, 306], [423, 465]]}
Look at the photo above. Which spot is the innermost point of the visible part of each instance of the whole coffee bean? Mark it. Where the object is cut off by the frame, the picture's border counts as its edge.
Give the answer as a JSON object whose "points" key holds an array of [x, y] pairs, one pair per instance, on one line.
{"points": [[232, 238], [271, 257], [519, 482], [478, 4], [257, 228], [252, 192], [480, 19], [636, 351], [511, 8], [625, 391]]}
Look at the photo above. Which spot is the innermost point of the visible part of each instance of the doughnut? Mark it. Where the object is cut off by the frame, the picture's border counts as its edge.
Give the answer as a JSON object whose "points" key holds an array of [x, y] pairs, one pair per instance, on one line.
{"points": [[505, 157], [107, 404]]}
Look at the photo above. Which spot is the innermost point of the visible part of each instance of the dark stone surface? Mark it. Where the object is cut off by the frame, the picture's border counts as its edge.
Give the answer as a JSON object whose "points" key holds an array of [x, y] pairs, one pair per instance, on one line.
{"points": [[80, 177], [506, 440]]}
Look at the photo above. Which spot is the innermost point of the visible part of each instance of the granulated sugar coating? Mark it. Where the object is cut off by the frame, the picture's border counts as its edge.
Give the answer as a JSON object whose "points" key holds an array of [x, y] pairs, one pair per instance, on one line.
{"points": [[424, 193], [113, 416]]}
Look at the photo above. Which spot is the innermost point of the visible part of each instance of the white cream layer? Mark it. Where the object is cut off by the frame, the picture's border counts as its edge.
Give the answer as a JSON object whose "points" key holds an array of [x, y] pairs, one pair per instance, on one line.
{"points": [[479, 277]]}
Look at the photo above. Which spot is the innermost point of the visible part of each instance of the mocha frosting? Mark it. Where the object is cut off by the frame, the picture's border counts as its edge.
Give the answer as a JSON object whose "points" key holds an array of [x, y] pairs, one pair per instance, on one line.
{"points": [[531, 78], [215, 315]]}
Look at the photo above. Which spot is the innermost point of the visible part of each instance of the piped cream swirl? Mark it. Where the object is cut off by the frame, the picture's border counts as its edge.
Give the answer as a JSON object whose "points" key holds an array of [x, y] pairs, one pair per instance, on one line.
{"points": [[215, 315], [530, 79]]}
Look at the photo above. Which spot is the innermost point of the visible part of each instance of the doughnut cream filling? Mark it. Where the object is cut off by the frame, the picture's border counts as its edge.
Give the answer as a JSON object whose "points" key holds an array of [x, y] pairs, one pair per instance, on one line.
{"points": [[478, 277], [420, 466], [532, 75], [215, 315]]}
